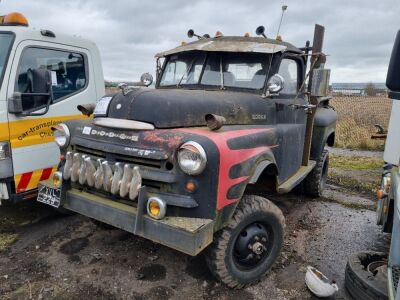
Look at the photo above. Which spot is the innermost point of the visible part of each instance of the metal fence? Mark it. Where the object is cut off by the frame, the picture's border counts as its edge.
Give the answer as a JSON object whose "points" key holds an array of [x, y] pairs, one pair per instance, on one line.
{"points": [[357, 117]]}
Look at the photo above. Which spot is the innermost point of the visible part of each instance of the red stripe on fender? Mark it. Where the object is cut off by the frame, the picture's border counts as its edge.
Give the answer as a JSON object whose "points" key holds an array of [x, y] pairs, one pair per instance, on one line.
{"points": [[46, 174], [229, 158], [24, 181]]}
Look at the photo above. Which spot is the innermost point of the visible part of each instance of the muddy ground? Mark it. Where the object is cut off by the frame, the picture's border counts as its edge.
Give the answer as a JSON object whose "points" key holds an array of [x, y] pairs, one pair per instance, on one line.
{"points": [[44, 255]]}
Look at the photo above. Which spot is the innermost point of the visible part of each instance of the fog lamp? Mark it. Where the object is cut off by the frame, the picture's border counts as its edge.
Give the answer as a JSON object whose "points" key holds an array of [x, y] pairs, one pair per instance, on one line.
{"points": [[156, 208], [57, 179]]}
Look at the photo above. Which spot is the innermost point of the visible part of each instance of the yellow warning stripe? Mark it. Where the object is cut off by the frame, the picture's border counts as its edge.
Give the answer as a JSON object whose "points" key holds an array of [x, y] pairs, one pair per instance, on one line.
{"points": [[30, 132]]}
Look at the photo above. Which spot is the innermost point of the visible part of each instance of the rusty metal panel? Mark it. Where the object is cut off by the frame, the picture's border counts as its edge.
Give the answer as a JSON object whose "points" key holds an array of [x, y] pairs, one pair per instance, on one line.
{"points": [[230, 44], [320, 82]]}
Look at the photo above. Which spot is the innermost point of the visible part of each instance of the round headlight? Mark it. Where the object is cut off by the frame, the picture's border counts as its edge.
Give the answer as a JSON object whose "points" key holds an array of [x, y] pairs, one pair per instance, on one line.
{"points": [[192, 158], [62, 135], [275, 84]]}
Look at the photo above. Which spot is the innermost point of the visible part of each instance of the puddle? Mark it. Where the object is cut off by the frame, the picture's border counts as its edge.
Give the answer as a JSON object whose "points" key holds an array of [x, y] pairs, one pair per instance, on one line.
{"points": [[152, 272], [74, 246], [197, 268]]}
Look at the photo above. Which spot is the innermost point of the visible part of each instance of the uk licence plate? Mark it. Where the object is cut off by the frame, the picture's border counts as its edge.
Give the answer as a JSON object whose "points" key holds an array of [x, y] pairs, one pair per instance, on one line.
{"points": [[49, 196]]}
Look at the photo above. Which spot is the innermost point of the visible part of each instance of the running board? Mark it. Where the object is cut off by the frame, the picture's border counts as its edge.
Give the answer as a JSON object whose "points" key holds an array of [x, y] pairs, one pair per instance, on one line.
{"points": [[298, 177]]}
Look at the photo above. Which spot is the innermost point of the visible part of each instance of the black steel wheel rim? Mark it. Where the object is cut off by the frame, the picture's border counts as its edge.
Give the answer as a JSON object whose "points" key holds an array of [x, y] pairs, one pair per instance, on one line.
{"points": [[252, 246]]}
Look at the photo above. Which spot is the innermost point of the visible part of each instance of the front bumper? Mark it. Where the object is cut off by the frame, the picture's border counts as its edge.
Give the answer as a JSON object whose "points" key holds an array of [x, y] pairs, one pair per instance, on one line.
{"points": [[188, 235]]}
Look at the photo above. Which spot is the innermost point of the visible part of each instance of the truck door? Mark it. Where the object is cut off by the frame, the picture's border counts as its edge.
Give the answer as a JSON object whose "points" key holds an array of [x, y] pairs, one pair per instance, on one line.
{"points": [[34, 153], [291, 122]]}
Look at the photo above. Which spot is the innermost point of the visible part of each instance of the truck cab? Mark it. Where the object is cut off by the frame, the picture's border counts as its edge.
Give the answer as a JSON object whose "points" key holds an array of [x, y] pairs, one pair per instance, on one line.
{"points": [[44, 75], [185, 164]]}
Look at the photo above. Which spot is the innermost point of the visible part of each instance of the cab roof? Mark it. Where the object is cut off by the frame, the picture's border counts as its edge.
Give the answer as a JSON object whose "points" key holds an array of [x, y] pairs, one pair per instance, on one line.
{"points": [[31, 33], [233, 44]]}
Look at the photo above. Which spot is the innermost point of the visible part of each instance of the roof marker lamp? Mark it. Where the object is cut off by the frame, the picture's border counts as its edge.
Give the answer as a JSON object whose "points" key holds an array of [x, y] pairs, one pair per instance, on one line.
{"points": [[192, 158], [62, 135]]}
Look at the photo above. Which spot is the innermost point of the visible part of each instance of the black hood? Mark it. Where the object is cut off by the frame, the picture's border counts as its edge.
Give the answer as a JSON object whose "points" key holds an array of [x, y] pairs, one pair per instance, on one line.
{"points": [[171, 108]]}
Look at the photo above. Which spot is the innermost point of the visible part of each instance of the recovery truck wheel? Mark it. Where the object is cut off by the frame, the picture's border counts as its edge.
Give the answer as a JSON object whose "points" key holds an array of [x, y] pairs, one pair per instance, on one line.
{"points": [[244, 250], [315, 182]]}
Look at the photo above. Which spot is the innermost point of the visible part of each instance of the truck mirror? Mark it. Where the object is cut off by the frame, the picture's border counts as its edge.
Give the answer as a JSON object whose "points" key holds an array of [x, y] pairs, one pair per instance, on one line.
{"points": [[275, 84], [393, 74], [146, 79], [38, 95], [15, 104], [320, 82]]}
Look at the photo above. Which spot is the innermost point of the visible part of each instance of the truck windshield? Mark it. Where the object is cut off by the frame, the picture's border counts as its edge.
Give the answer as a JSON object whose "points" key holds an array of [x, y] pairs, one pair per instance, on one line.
{"points": [[5, 43], [219, 69]]}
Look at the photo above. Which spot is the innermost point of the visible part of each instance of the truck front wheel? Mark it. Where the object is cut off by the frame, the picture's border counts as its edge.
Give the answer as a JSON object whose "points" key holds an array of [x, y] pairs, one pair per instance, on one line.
{"points": [[248, 246]]}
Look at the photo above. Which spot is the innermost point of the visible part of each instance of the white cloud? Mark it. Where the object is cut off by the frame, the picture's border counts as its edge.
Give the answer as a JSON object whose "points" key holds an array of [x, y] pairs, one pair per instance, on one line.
{"points": [[359, 34]]}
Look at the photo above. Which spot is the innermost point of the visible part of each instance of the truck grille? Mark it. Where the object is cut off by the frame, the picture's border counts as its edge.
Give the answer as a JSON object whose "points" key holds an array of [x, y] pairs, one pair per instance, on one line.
{"points": [[396, 276], [115, 175]]}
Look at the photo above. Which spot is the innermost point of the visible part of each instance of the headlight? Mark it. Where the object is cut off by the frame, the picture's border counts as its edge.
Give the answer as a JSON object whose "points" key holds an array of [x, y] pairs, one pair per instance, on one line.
{"points": [[4, 150], [62, 135], [192, 158], [275, 84]]}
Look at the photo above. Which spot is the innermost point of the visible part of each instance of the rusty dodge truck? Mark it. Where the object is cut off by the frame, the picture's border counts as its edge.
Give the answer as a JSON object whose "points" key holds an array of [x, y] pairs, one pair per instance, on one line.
{"points": [[190, 164]]}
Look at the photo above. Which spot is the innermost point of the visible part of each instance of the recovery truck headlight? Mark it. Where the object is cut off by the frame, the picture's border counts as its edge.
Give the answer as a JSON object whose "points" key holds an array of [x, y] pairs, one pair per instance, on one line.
{"points": [[192, 158], [62, 135], [4, 150]]}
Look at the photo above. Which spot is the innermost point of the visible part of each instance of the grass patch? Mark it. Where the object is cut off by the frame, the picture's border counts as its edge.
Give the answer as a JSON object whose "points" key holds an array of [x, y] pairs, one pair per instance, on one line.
{"points": [[351, 183], [355, 162], [6, 239]]}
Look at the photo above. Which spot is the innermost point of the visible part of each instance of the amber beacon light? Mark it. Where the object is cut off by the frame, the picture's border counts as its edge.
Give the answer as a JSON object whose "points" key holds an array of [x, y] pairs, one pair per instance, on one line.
{"points": [[14, 19]]}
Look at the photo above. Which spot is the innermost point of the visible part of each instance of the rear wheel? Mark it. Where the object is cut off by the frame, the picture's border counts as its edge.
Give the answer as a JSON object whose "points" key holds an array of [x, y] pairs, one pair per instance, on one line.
{"points": [[248, 246], [315, 182]]}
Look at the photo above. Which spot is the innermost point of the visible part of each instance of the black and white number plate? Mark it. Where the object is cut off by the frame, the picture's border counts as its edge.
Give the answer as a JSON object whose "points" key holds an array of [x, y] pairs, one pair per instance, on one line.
{"points": [[50, 196]]}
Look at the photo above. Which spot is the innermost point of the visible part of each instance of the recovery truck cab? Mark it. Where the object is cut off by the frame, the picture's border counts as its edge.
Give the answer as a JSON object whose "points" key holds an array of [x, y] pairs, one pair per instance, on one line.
{"points": [[43, 77], [189, 164], [388, 206]]}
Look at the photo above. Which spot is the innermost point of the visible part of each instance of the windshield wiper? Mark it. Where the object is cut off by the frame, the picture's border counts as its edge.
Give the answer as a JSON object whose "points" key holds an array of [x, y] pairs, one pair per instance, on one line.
{"points": [[186, 72]]}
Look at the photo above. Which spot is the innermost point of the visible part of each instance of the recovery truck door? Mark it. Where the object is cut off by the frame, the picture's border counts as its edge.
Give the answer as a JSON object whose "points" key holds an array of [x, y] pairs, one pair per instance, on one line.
{"points": [[34, 153]]}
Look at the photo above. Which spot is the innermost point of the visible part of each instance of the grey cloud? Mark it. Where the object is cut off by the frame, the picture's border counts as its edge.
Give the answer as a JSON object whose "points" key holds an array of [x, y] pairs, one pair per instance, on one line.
{"points": [[359, 34]]}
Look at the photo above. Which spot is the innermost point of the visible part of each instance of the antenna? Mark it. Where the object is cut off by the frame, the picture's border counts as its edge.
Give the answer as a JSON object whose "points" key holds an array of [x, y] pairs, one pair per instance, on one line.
{"points": [[284, 7], [264, 94]]}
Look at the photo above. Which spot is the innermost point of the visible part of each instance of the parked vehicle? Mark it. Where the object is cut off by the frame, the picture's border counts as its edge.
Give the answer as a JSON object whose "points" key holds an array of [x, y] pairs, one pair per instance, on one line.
{"points": [[388, 206], [185, 164], [43, 77]]}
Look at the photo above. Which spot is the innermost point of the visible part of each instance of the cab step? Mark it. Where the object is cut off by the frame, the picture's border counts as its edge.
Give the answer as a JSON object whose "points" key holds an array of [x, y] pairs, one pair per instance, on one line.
{"points": [[298, 177]]}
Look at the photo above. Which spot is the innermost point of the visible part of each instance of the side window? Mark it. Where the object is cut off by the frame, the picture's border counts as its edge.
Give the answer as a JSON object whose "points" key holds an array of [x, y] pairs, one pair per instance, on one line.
{"points": [[68, 74], [289, 71]]}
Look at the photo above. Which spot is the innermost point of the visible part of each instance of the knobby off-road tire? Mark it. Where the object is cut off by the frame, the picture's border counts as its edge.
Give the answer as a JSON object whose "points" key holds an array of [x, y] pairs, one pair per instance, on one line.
{"points": [[315, 182], [257, 222]]}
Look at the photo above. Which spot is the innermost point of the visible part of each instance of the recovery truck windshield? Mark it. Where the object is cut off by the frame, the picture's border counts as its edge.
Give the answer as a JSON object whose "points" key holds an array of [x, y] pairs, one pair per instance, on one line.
{"points": [[5, 44]]}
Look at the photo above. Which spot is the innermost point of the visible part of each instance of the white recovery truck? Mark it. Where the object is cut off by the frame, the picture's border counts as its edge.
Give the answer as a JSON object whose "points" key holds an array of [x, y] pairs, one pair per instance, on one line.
{"points": [[44, 75]]}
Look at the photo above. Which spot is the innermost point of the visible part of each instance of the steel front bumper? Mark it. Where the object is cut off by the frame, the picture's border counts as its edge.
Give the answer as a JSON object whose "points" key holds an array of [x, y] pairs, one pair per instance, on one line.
{"points": [[188, 235]]}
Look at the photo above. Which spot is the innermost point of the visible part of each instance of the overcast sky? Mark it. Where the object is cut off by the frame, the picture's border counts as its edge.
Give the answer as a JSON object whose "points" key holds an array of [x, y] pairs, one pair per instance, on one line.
{"points": [[358, 38]]}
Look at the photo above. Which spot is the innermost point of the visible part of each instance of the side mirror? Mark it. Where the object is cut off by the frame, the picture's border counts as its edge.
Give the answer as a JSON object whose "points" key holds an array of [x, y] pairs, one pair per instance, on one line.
{"points": [[393, 74], [146, 79], [15, 104], [320, 82], [275, 84], [39, 94]]}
